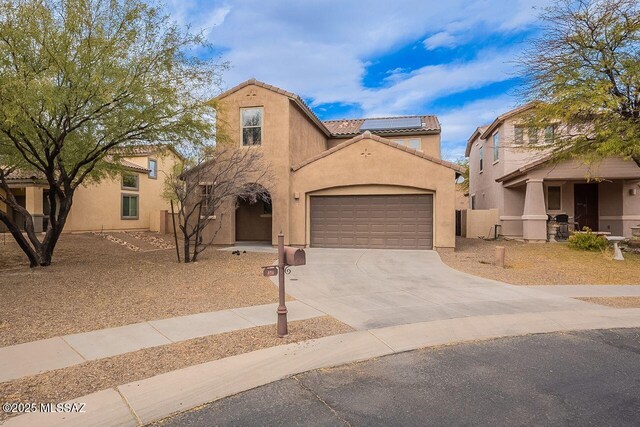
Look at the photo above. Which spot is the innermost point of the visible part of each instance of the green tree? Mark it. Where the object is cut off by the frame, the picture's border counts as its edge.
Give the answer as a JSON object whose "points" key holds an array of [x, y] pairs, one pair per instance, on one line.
{"points": [[82, 81], [585, 71]]}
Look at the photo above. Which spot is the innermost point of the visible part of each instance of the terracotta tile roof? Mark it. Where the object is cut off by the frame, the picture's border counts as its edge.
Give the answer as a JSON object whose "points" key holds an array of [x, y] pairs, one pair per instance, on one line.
{"points": [[130, 165], [292, 96], [369, 135], [145, 150], [346, 127], [25, 175]]}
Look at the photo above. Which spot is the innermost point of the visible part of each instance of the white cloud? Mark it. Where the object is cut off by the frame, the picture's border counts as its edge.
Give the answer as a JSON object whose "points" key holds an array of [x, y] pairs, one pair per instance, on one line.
{"points": [[321, 49], [441, 39], [459, 124]]}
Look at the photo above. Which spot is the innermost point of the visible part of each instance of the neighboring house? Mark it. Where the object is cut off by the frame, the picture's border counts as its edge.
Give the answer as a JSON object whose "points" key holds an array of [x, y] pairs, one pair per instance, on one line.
{"points": [[133, 201], [526, 186], [360, 183]]}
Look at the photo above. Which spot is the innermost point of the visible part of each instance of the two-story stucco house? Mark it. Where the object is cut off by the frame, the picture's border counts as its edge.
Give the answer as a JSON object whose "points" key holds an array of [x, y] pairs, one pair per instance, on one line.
{"points": [[526, 186], [132, 201], [362, 183]]}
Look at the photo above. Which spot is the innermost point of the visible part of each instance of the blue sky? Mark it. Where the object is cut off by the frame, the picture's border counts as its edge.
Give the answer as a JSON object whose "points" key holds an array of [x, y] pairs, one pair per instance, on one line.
{"points": [[373, 58]]}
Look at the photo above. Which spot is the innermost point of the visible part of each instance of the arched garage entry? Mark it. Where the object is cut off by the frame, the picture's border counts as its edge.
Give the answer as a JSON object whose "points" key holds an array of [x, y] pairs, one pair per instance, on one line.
{"points": [[378, 221]]}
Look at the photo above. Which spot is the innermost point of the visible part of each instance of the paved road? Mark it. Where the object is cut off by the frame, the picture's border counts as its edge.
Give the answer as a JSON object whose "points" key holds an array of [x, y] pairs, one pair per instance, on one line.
{"points": [[369, 289], [579, 379]]}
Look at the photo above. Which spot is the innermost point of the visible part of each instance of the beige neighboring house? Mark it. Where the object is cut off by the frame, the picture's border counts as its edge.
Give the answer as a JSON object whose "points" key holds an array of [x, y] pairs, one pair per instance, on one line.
{"points": [[525, 186], [357, 183], [133, 201]]}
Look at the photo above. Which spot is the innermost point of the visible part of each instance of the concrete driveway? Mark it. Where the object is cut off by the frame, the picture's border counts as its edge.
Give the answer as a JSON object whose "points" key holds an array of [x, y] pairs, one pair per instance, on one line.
{"points": [[371, 288]]}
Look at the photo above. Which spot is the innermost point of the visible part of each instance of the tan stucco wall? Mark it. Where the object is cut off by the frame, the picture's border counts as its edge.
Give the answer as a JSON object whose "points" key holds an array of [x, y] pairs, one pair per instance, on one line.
{"points": [[306, 139], [479, 223], [289, 138], [98, 206], [397, 171]]}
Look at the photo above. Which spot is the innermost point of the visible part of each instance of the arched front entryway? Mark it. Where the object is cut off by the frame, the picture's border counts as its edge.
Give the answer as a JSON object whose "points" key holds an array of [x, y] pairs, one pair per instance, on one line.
{"points": [[254, 219]]}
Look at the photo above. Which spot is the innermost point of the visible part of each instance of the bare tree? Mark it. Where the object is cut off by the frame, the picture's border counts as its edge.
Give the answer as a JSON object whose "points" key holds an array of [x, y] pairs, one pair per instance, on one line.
{"points": [[208, 188]]}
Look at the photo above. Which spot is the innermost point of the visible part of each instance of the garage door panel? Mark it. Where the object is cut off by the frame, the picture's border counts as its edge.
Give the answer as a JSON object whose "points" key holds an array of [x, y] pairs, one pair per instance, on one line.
{"points": [[394, 221]]}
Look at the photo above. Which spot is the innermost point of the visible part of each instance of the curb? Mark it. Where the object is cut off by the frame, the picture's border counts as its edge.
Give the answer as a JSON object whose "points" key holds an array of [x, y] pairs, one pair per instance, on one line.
{"points": [[158, 397]]}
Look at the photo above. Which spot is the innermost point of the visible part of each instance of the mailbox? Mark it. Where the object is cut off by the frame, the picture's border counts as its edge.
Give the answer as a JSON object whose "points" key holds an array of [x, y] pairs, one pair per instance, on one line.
{"points": [[294, 256]]}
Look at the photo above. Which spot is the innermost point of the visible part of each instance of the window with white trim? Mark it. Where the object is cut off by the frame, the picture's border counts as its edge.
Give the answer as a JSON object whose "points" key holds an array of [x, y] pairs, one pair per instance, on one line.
{"points": [[251, 126], [496, 146], [481, 157]]}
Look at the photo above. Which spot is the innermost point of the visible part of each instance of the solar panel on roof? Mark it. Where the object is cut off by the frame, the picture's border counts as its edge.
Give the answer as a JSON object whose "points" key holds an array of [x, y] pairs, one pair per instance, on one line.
{"points": [[393, 123]]}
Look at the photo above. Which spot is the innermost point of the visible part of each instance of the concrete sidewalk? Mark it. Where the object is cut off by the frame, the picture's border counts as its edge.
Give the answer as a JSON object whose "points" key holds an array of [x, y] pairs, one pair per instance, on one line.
{"points": [[576, 291], [35, 357], [157, 397]]}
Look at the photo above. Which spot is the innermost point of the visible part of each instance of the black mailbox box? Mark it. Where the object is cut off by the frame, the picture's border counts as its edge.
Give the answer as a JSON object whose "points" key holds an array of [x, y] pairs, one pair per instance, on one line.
{"points": [[294, 256]]}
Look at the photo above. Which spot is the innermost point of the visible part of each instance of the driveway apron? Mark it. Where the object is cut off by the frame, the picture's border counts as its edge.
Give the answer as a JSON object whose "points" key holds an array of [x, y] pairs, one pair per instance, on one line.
{"points": [[373, 288]]}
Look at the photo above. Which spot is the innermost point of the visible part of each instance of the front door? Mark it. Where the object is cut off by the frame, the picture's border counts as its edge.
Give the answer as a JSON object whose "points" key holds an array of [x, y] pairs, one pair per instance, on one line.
{"points": [[586, 205]]}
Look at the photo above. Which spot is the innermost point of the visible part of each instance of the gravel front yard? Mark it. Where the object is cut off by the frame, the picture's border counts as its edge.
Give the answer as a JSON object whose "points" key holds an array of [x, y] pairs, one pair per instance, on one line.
{"points": [[615, 302], [97, 283], [69, 383], [543, 264]]}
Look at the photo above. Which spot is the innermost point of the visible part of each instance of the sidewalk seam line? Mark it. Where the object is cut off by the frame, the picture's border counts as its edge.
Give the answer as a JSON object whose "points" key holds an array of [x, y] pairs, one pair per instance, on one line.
{"points": [[382, 341], [74, 349], [131, 410], [233, 311], [158, 331]]}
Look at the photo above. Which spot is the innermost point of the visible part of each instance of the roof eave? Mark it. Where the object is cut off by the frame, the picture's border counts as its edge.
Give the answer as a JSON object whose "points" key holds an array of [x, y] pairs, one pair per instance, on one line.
{"points": [[292, 96]]}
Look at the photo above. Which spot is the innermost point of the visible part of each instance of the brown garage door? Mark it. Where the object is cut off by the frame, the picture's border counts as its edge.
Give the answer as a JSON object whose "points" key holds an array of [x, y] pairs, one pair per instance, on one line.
{"points": [[393, 222]]}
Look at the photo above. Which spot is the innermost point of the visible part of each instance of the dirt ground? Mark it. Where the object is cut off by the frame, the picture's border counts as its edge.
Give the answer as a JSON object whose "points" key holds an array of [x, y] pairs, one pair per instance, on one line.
{"points": [[96, 283], [615, 302], [543, 264], [69, 383]]}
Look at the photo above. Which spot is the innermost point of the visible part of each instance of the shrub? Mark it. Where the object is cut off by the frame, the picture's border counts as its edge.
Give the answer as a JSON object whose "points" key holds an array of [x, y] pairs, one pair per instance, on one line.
{"points": [[587, 240]]}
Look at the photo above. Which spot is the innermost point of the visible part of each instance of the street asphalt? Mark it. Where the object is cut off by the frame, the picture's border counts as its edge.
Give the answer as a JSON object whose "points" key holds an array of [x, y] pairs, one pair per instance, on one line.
{"points": [[576, 379]]}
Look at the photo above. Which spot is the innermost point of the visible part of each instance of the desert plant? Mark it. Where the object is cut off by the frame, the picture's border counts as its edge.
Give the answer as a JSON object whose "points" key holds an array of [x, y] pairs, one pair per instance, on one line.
{"points": [[587, 240]]}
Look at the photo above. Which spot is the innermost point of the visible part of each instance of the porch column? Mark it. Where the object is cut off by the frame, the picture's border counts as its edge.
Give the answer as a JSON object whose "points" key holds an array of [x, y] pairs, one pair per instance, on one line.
{"points": [[33, 204], [534, 218]]}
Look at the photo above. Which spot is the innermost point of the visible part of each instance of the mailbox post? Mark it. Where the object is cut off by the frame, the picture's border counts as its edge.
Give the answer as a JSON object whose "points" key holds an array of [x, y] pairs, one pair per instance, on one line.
{"points": [[283, 329], [287, 256]]}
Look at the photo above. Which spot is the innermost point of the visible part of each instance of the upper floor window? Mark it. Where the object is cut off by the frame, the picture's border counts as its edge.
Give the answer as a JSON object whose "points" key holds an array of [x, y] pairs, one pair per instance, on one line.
{"points": [[481, 157], [496, 146], [518, 133], [411, 143], [533, 135], [549, 134], [153, 169], [130, 181], [251, 126], [473, 202]]}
